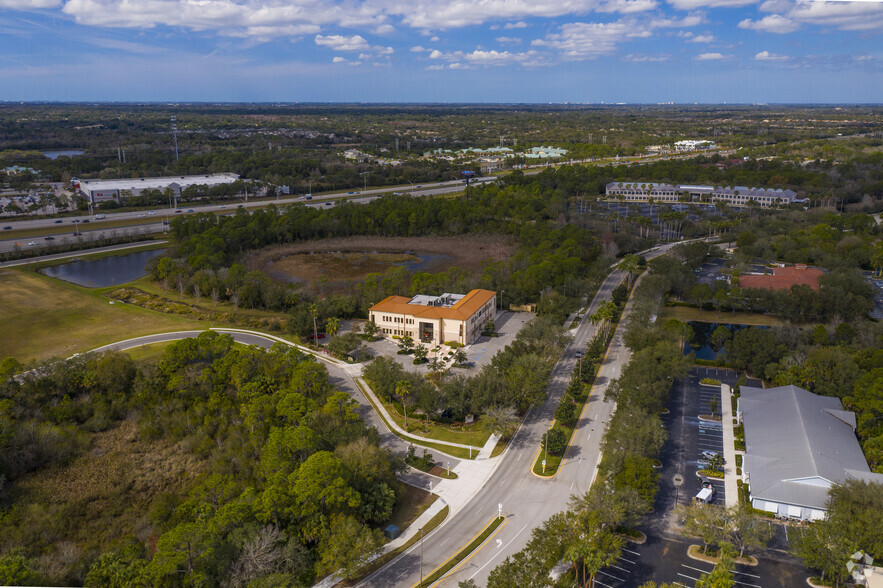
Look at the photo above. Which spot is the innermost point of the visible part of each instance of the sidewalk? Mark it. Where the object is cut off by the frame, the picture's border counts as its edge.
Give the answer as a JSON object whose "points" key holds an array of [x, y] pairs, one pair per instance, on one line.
{"points": [[378, 406], [455, 494], [730, 478]]}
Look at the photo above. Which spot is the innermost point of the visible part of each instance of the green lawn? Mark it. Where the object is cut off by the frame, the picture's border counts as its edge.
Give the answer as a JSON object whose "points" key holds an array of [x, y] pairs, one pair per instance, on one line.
{"points": [[418, 426], [43, 317]]}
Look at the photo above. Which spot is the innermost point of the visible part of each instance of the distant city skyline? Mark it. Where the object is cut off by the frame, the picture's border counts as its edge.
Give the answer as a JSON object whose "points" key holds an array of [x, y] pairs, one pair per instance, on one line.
{"points": [[491, 51]]}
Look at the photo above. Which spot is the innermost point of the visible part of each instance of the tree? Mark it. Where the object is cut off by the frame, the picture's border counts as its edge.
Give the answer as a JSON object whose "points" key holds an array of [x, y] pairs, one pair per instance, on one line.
{"points": [[555, 441], [713, 405], [744, 529], [722, 574], [702, 520], [348, 546], [502, 421], [719, 338], [460, 357], [332, 326], [403, 390], [420, 353], [370, 329], [314, 312]]}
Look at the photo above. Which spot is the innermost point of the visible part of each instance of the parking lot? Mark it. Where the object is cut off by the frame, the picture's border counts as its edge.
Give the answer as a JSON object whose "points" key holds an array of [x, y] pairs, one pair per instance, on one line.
{"points": [[709, 436]]}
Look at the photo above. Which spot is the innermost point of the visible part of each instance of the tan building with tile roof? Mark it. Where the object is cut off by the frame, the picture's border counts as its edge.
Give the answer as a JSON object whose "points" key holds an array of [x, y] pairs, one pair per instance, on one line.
{"points": [[435, 319]]}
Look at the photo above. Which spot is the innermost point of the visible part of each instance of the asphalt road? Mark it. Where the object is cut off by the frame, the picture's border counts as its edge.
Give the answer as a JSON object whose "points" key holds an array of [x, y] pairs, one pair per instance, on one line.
{"points": [[527, 500]]}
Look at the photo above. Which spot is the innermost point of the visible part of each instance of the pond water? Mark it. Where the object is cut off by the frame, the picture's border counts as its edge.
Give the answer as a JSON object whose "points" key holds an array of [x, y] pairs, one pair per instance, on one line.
{"points": [[107, 271], [55, 154], [701, 342]]}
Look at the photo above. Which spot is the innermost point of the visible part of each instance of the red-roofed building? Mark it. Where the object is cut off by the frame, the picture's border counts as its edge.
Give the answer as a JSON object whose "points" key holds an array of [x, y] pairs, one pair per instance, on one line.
{"points": [[783, 278], [435, 319]]}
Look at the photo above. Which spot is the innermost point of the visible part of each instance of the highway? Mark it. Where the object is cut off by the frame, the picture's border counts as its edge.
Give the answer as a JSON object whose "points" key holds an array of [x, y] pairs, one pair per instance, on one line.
{"points": [[146, 222]]}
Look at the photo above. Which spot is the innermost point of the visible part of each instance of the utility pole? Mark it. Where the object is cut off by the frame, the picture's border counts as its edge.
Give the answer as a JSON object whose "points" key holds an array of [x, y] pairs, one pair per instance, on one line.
{"points": [[175, 135]]}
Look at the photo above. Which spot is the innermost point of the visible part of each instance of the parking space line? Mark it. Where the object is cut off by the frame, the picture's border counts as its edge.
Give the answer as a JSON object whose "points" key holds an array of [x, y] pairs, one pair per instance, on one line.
{"points": [[746, 574], [627, 561], [621, 569], [611, 575], [686, 576], [697, 569], [630, 551], [600, 583]]}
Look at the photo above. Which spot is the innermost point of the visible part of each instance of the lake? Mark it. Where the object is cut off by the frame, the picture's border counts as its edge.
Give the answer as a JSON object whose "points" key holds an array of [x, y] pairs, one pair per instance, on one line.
{"points": [[62, 152], [107, 271], [701, 336]]}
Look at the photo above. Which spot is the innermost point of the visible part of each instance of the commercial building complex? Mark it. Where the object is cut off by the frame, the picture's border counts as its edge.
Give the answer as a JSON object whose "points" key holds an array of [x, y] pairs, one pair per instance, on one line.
{"points": [[735, 195], [798, 444], [102, 190], [435, 319]]}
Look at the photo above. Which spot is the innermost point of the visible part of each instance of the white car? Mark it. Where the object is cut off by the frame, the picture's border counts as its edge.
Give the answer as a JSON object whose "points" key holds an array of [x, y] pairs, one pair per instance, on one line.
{"points": [[152, 212], [32, 243]]}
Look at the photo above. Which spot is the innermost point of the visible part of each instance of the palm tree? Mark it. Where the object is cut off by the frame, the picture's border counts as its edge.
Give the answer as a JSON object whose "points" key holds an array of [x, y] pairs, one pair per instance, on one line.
{"points": [[332, 327], [314, 312], [403, 390]]}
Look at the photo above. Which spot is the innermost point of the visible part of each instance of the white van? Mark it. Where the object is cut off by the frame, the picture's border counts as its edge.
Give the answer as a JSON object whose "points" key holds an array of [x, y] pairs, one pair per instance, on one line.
{"points": [[99, 216]]}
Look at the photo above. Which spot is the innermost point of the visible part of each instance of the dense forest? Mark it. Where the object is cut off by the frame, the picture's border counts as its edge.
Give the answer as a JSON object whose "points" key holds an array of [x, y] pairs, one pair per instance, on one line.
{"points": [[267, 478]]}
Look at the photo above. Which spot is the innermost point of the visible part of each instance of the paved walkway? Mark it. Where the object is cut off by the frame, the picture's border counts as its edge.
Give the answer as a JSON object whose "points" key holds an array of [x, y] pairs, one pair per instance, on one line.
{"points": [[730, 477]]}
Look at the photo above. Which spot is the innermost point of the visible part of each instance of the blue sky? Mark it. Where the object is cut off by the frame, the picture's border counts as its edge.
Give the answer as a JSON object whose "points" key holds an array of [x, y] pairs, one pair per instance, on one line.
{"points": [[442, 50]]}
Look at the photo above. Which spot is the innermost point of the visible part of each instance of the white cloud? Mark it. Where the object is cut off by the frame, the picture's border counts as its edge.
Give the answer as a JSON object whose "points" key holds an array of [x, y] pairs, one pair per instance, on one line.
{"points": [[626, 6], [590, 40], [774, 23], [515, 25], [353, 43], [342, 43], [693, 4], [848, 16], [434, 39], [384, 29], [338, 59], [481, 57], [29, 4], [702, 39], [767, 56], [711, 57], [508, 40], [691, 20], [418, 49], [645, 58]]}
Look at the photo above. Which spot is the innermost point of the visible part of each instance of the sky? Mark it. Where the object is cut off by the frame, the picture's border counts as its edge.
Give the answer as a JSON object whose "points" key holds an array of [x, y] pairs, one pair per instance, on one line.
{"points": [[534, 51]]}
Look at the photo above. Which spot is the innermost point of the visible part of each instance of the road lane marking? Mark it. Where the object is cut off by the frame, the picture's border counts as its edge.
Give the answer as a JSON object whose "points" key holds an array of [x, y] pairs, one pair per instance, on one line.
{"points": [[492, 558]]}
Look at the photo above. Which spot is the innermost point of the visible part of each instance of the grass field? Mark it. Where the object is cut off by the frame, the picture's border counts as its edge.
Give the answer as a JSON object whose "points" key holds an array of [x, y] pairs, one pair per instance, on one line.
{"points": [[685, 314], [43, 317], [351, 257], [105, 494], [339, 266]]}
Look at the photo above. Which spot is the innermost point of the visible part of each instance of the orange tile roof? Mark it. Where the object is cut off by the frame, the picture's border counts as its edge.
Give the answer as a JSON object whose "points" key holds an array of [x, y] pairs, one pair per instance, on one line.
{"points": [[462, 310], [783, 278]]}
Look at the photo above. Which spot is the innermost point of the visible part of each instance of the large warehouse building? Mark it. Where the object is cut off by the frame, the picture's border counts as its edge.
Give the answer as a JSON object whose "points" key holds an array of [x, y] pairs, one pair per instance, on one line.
{"points": [[435, 319], [797, 445], [102, 190], [736, 195]]}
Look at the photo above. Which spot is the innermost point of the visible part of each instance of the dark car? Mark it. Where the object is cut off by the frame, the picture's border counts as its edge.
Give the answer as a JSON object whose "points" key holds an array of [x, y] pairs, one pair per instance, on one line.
{"points": [[77, 234], [59, 221], [179, 211], [50, 238], [321, 336], [6, 228], [189, 210], [85, 220]]}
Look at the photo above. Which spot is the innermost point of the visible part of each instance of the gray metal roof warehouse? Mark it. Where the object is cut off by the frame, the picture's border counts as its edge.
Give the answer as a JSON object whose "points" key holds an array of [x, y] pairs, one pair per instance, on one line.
{"points": [[798, 445]]}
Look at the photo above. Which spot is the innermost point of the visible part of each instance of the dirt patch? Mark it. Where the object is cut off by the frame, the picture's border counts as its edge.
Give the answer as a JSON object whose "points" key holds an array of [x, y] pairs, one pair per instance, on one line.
{"points": [[346, 259]]}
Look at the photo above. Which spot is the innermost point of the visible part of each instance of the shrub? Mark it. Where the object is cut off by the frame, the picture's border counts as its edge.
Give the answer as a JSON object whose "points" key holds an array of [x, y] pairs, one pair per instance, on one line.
{"points": [[566, 412]]}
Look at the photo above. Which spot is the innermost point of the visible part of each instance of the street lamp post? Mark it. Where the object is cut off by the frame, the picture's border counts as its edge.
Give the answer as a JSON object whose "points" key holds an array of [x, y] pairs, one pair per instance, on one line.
{"points": [[421, 557]]}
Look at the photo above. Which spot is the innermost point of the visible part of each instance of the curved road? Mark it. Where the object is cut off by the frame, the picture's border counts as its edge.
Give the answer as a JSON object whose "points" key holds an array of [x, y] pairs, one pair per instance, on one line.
{"points": [[527, 500], [339, 378]]}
